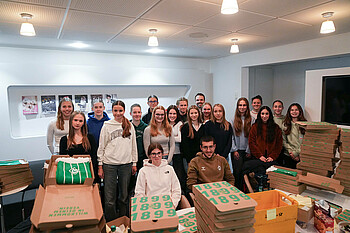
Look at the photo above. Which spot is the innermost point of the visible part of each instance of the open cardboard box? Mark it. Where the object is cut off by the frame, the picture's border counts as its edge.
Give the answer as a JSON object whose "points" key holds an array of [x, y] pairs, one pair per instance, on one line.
{"points": [[50, 176], [62, 206], [322, 182], [118, 222]]}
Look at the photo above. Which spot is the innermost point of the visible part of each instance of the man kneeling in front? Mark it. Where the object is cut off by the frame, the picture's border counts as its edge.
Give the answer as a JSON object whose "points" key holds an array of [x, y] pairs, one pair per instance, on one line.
{"points": [[207, 166]]}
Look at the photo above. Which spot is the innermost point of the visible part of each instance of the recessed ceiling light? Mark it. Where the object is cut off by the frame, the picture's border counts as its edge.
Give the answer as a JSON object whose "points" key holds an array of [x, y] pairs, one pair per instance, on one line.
{"points": [[154, 50], [79, 45]]}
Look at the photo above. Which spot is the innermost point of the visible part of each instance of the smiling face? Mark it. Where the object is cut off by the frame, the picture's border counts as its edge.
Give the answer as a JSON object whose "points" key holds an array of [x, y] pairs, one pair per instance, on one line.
{"points": [[218, 114], [194, 115], [156, 156], [256, 104], [172, 115], [208, 148], [277, 108], [182, 107], [66, 109], [199, 101], [98, 109], [136, 113], [152, 103], [77, 122], [206, 111], [159, 116], [242, 107], [294, 112], [118, 113], [265, 115]]}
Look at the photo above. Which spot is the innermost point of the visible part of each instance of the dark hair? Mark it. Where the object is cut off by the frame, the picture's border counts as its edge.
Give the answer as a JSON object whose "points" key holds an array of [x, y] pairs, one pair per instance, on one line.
{"points": [[152, 96], [133, 106], [84, 131], [201, 94], [277, 101], [271, 125], [207, 138], [177, 113], [258, 97], [288, 120], [237, 122], [189, 120], [153, 146], [181, 99], [125, 122]]}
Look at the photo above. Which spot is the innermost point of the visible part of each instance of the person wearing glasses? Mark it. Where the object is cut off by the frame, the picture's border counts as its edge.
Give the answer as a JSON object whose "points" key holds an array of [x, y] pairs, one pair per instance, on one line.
{"points": [[160, 131], [152, 102], [156, 177], [208, 167]]}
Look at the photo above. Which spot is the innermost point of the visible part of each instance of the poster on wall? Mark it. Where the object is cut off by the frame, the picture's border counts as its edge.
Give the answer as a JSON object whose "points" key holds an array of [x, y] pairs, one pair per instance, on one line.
{"points": [[81, 102], [60, 97], [30, 105], [110, 99], [48, 104], [96, 98]]}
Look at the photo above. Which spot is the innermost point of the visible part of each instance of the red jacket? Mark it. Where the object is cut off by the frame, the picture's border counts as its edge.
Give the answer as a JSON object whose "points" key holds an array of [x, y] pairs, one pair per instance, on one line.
{"points": [[258, 143]]}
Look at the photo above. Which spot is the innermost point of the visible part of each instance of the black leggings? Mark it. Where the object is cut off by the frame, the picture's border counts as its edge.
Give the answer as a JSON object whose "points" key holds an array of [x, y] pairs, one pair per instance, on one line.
{"points": [[257, 166]]}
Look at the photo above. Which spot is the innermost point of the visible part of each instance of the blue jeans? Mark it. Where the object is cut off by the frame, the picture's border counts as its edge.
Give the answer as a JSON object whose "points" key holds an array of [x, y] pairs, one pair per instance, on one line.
{"points": [[116, 175]]}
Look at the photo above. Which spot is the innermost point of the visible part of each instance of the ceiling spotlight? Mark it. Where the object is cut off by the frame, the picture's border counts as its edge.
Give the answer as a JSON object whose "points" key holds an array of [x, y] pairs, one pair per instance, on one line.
{"points": [[234, 47], [27, 29], [153, 40], [328, 25], [229, 7]]}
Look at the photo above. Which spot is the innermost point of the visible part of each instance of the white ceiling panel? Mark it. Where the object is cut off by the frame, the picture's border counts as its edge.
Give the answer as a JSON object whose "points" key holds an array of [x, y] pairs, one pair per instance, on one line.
{"points": [[199, 35], [234, 22], [242, 39], [130, 8], [141, 27], [93, 22], [88, 36], [187, 12], [278, 8], [54, 3]]}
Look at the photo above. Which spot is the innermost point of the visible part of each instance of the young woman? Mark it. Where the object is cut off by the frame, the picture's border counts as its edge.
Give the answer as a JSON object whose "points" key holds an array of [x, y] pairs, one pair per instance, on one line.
{"points": [[293, 135], [156, 177], [160, 131], [277, 108], [256, 104], [191, 134], [78, 141], [117, 158], [60, 126], [174, 121], [221, 130], [265, 142], [240, 150], [206, 112]]}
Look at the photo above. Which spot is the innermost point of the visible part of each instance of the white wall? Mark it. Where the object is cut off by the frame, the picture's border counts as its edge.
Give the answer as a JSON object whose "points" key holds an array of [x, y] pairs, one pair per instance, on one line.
{"points": [[230, 72], [35, 67]]}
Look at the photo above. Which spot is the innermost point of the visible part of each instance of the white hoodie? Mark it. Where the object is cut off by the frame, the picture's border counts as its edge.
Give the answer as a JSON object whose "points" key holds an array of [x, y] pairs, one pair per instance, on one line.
{"points": [[113, 149], [162, 180]]}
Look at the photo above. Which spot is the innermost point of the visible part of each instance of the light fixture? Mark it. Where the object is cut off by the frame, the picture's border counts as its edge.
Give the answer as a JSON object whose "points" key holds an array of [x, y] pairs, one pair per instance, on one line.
{"points": [[154, 50], [79, 45], [27, 29], [229, 7], [328, 25], [153, 40], [234, 47]]}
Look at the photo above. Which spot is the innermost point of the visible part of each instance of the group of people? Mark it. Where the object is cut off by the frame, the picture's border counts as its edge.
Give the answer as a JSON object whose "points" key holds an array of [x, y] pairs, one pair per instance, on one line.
{"points": [[167, 151]]}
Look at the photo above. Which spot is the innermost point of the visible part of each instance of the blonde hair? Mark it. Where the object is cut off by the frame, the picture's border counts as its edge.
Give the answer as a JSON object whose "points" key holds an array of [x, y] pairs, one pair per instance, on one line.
{"points": [[60, 121], [165, 124], [224, 124], [189, 120]]}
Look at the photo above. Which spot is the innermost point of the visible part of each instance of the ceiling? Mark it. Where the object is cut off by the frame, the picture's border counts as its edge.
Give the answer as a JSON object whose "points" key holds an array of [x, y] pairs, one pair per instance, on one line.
{"points": [[186, 28]]}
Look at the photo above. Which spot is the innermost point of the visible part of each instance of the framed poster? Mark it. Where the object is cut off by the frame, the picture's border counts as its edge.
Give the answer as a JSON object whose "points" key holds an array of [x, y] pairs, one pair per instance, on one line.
{"points": [[96, 98], [48, 104], [110, 99], [60, 97], [81, 102], [30, 105]]}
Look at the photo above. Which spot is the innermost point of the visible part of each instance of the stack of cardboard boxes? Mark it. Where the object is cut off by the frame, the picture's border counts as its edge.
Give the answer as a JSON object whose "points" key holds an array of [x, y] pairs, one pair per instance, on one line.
{"points": [[221, 207], [343, 170], [318, 147], [14, 174], [73, 208], [286, 181], [153, 214]]}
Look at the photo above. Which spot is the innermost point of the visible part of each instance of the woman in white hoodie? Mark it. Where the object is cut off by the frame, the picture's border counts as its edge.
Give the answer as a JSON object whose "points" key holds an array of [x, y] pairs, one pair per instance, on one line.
{"points": [[117, 158], [156, 177]]}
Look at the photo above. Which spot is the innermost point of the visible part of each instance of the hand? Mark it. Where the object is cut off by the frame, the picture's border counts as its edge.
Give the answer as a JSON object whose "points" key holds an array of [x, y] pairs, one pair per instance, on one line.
{"points": [[262, 158], [100, 172], [291, 155], [236, 155], [134, 170], [248, 155], [269, 159]]}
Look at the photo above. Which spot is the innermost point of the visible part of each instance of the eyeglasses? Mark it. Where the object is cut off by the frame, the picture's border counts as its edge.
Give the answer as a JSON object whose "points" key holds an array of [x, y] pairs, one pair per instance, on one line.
{"points": [[156, 154], [158, 114], [207, 147], [153, 101]]}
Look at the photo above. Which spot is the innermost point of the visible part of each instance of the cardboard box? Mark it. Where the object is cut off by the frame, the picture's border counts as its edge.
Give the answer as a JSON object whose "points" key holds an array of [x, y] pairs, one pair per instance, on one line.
{"points": [[296, 189], [313, 170], [57, 206], [189, 222], [305, 214], [153, 213], [322, 182], [118, 222], [50, 176], [343, 216], [309, 125]]}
